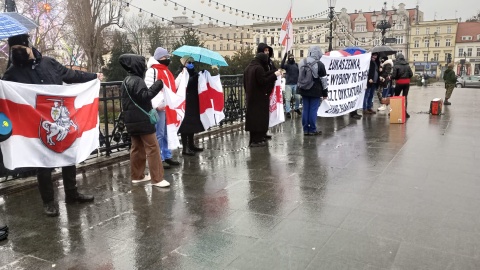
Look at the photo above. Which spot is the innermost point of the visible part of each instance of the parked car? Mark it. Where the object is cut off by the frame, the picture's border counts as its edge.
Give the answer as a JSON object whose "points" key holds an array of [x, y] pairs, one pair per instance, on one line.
{"points": [[468, 81]]}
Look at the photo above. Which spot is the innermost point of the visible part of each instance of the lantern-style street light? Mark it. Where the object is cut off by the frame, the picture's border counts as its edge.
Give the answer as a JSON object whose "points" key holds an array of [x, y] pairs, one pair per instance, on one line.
{"points": [[382, 21], [331, 6]]}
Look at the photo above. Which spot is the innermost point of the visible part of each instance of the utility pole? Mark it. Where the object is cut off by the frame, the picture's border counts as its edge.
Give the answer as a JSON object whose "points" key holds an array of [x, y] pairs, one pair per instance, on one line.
{"points": [[10, 6]]}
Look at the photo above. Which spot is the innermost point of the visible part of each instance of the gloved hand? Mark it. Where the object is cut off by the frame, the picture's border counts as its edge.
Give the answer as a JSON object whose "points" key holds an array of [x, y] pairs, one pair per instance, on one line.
{"points": [[157, 86]]}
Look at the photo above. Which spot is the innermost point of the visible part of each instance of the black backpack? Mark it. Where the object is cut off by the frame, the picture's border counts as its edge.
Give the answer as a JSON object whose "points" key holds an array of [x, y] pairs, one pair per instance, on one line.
{"points": [[305, 76]]}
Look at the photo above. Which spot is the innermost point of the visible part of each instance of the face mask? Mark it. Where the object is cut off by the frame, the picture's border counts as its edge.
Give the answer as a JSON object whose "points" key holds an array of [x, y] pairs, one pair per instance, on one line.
{"points": [[189, 66], [165, 62], [291, 61], [20, 57]]}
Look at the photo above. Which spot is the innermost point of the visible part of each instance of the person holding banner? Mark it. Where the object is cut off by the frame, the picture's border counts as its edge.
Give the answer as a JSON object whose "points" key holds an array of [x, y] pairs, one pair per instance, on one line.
{"points": [[372, 85], [191, 123], [258, 82], [29, 67], [158, 70], [136, 103], [311, 96]]}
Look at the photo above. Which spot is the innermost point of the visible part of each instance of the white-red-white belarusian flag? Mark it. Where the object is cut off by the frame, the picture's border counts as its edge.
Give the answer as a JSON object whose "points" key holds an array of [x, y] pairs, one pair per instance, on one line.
{"points": [[53, 125], [276, 105], [175, 108], [286, 34], [210, 96]]}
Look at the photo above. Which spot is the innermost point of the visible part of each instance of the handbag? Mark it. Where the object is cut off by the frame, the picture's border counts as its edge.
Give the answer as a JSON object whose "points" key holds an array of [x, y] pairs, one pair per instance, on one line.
{"points": [[386, 101], [152, 114]]}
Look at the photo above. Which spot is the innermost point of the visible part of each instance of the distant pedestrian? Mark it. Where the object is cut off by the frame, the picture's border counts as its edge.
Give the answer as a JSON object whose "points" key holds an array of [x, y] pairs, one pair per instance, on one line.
{"points": [[312, 96], [136, 101], [158, 70], [191, 123], [291, 80], [258, 83], [402, 73], [450, 80], [30, 67]]}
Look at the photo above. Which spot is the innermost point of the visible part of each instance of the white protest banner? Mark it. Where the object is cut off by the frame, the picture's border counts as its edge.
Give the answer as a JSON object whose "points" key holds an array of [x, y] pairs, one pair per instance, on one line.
{"points": [[347, 81]]}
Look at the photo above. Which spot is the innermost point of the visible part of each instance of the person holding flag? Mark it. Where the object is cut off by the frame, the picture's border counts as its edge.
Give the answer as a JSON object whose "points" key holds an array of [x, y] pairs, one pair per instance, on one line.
{"points": [[158, 70], [30, 67]]}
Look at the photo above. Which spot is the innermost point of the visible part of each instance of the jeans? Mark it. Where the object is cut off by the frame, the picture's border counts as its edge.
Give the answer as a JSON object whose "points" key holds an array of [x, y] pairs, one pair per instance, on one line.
{"points": [[368, 100], [309, 116], [387, 92], [291, 89], [161, 133]]}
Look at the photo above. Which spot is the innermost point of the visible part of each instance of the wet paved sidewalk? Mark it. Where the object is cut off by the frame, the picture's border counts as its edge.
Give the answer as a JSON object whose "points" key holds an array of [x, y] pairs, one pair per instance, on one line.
{"points": [[365, 195]]}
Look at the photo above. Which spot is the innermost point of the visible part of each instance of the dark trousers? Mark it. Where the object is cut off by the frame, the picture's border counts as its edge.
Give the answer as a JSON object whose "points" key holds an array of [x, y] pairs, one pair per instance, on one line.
{"points": [[256, 137], [402, 88], [45, 184]]}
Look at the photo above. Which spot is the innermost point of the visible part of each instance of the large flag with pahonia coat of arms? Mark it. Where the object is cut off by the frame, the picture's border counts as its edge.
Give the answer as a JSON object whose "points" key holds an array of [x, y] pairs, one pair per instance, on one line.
{"points": [[52, 125]]}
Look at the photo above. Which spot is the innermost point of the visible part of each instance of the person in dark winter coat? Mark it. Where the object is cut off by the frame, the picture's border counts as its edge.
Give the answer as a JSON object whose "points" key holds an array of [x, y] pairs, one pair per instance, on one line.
{"points": [[258, 84], [28, 66], [372, 85], [312, 97], [264, 48], [402, 72], [191, 123], [385, 81], [144, 146], [450, 81], [291, 70]]}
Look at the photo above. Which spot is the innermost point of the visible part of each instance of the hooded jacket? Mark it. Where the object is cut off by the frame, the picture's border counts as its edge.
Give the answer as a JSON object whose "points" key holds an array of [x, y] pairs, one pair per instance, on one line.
{"points": [[136, 121], [46, 70], [291, 77], [260, 49], [402, 71], [320, 84], [386, 73], [258, 87], [449, 76]]}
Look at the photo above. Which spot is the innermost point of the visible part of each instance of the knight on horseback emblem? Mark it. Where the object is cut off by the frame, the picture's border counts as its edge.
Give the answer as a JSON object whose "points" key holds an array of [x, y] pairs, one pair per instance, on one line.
{"points": [[61, 124]]}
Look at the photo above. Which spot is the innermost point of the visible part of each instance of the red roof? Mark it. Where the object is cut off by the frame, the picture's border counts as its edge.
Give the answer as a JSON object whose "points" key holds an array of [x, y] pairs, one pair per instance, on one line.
{"points": [[368, 16], [468, 29]]}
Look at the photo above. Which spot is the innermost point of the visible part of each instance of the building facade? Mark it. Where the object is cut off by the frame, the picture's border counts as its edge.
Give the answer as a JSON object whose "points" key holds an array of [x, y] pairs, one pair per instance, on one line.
{"points": [[467, 48], [431, 43]]}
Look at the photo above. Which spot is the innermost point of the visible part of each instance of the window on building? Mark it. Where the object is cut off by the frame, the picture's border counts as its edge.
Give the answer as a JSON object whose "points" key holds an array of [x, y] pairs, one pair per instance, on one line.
{"points": [[416, 44], [301, 28], [272, 40], [214, 47], [310, 28], [425, 57], [363, 40], [234, 35], [466, 37], [265, 40], [235, 46], [449, 29], [415, 56], [221, 36], [427, 30], [469, 51], [417, 31], [228, 46], [301, 53], [302, 39], [310, 38], [248, 35], [318, 40], [460, 52], [208, 47], [438, 30], [437, 42], [399, 39], [221, 47], [436, 56], [360, 28], [427, 43], [258, 40], [448, 42], [478, 51], [326, 39], [279, 54]]}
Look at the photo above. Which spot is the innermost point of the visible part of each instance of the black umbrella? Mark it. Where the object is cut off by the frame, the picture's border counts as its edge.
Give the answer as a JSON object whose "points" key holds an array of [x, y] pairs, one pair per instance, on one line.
{"points": [[383, 50]]}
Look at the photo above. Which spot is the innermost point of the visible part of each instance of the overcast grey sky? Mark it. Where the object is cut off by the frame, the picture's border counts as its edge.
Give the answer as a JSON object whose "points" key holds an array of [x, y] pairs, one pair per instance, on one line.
{"points": [[442, 9]]}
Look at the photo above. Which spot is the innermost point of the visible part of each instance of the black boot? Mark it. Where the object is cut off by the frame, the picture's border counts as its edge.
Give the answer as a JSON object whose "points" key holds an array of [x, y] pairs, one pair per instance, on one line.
{"points": [[3, 228], [3, 235], [50, 209], [191, 144], [186, 149], [74, 196]]}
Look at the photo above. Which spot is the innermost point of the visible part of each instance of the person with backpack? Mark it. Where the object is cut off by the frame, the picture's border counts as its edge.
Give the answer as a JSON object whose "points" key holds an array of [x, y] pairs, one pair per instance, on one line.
{"points": [[312, 85], [291, 79], [402, 72], [158, 70]]}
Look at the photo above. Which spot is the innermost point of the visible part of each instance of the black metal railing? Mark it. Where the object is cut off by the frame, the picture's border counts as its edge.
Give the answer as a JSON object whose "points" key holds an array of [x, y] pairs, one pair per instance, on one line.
{"points": [[113, 134]]}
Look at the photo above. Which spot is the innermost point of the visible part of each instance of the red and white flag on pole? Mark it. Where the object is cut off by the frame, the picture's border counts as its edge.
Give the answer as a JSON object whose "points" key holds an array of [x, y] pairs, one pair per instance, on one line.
{"points": [[286, 34], [210, 95], [276, 105], [53, 125]]}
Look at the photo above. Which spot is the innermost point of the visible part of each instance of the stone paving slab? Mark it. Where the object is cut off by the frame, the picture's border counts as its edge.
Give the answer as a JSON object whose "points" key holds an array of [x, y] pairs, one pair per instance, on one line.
{"points": [[365, 195]]}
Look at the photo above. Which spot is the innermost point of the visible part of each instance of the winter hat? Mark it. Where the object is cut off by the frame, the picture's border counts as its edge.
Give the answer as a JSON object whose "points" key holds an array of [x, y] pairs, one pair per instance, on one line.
{"points": [[186, 59], [160, 52], [5, 127], [18, 40]]}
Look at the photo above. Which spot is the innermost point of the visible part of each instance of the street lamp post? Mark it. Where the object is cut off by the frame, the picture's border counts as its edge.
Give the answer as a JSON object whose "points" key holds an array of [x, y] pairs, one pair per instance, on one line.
{"points": [[382, 21], [331, 5], [428, 37]]}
